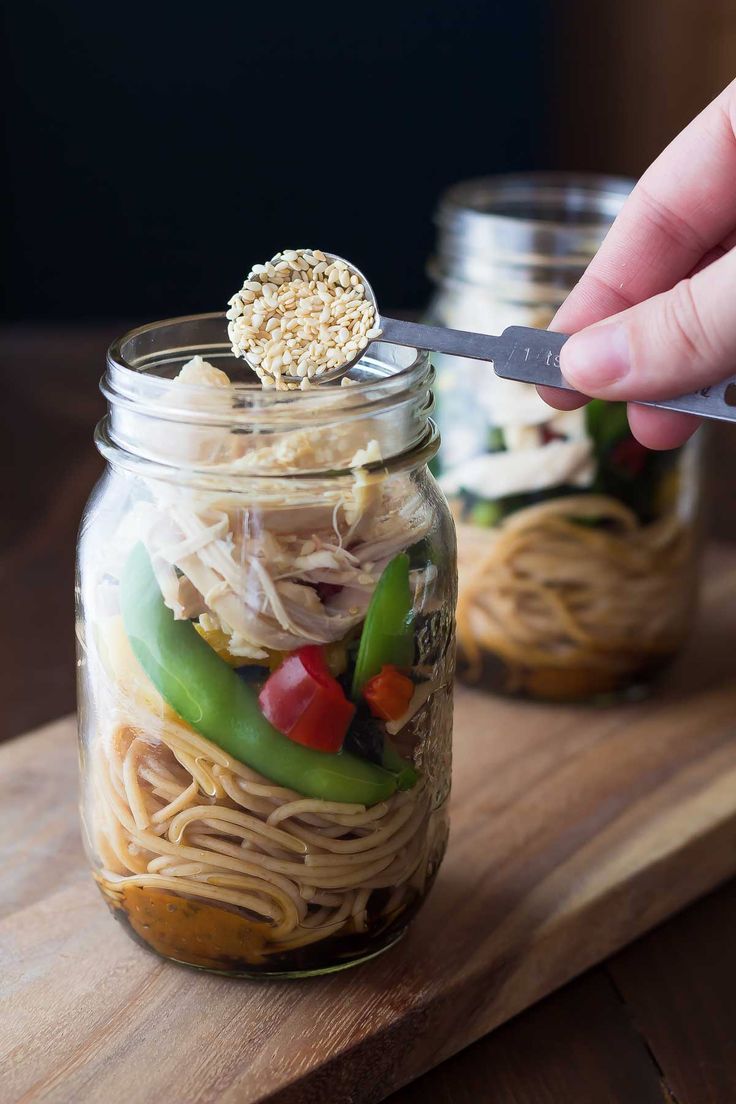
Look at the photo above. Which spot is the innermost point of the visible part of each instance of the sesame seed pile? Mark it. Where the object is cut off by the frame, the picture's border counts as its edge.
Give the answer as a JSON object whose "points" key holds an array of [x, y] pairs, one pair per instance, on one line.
{"points": [[298, 316]]}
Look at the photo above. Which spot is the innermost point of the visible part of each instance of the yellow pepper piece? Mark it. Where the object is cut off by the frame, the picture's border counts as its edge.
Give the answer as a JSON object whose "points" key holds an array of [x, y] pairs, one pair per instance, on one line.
{"points": [[219, 641]]}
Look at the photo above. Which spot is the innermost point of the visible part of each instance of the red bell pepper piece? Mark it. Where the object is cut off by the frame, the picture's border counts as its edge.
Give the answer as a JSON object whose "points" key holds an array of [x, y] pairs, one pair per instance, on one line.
{"points": [[388, 693], [629, 456], [549, 435], [304, 702]]}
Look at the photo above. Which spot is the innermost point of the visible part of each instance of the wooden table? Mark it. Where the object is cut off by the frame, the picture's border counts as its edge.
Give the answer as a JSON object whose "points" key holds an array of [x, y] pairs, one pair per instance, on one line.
{"points": [[655, 1023]]}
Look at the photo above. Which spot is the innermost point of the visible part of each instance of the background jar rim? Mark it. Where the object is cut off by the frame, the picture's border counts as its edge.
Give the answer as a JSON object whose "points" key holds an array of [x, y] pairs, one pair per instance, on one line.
{"points": [[522, 226]]}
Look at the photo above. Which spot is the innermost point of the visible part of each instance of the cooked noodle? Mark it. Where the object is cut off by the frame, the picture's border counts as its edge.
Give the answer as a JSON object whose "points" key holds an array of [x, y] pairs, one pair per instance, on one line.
{"points": [[175, 812], [543, 590]]}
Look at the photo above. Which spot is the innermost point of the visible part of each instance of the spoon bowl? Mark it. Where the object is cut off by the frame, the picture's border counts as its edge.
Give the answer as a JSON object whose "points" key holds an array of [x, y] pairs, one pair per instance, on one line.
{"points": [[335, 374]]}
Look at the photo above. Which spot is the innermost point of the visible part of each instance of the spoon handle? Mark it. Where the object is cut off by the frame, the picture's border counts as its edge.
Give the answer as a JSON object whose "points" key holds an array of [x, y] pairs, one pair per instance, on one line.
{"points": [[533, 356]]}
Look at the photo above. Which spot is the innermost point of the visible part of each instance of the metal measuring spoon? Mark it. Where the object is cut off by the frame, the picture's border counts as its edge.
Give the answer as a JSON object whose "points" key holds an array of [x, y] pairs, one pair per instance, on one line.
{"points": [[519, 353]]}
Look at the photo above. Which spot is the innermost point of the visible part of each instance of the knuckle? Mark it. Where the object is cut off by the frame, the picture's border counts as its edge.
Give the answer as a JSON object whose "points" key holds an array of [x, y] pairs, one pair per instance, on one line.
{"points": [[668, 222], [684, 321]]}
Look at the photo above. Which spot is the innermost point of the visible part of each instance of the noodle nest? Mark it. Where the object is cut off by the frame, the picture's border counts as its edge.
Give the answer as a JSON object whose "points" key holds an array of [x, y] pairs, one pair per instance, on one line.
{"points": [[172, 811], [546, 589]]}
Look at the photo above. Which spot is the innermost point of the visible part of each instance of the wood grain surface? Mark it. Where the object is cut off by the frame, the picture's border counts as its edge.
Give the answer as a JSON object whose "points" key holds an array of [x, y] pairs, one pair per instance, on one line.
{"points": [[574, 830], [579, 1037], [680, 987], [654, 1023]]}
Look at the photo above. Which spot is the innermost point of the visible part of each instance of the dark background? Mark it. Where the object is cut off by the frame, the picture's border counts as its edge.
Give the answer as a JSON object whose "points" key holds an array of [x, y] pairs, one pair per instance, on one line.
{"points": [[155, 151]]}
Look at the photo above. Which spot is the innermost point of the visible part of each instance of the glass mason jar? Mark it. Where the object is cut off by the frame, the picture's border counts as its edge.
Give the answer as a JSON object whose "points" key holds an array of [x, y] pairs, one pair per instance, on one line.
{"points": [[266, 652], [576, 546]]}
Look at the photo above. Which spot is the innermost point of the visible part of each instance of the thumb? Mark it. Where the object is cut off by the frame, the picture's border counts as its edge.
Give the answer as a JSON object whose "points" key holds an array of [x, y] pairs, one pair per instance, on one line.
{"points": [[669, 345]]}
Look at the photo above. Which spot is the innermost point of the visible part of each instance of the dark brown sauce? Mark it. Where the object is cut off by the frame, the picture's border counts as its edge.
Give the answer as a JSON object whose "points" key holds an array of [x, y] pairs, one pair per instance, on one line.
{"points": [[213, 937], [566, 684]]}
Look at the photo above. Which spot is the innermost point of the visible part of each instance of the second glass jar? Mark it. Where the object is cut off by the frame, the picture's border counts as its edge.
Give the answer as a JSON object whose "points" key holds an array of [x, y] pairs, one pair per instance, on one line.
{"points": [[577, 547]]}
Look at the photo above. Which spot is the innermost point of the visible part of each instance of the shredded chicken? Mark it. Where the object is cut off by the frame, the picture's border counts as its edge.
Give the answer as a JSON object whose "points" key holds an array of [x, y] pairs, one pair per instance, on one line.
{"points": [[517, 471], [263, 590], [292, 561], [201, 373]]}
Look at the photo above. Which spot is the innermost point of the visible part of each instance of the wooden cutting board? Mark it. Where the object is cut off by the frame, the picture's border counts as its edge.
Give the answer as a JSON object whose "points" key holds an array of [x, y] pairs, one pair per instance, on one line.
{"points": [[574, 830]]}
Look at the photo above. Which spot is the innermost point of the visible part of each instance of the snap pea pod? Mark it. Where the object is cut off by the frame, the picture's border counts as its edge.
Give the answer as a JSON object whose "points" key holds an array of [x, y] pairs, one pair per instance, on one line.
{"points": [[406, 776], [388, 629], [209, 695]]}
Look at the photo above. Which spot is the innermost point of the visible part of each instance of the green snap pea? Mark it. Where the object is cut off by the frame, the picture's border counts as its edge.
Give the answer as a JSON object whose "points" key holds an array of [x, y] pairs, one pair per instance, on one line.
{"points": [[406, 776], [214, 700], [388, 629], [486, 513]]}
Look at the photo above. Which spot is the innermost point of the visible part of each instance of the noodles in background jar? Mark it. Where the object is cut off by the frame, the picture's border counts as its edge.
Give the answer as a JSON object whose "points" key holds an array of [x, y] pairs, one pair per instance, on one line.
{"points": [[266, 596], [577, 547]]}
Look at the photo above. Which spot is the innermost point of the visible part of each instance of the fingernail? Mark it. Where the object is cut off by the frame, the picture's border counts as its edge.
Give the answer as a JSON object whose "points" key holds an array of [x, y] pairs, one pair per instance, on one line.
{"points": [[596, 357]]}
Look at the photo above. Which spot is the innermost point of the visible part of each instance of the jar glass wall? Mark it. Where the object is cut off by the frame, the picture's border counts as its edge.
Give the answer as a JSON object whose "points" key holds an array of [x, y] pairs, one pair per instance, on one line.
{"points": [[577, 547], [266, 644]]}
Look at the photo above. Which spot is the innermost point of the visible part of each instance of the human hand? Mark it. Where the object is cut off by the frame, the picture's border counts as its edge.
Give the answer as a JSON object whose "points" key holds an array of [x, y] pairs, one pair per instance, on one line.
{"points": [[658, 301]]}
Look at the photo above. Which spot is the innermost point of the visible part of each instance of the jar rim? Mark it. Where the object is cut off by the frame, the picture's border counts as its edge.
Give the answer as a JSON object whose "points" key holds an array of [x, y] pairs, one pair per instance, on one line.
{"points": [[391, 404], [493, 198], [513, 229], [127, 377]]}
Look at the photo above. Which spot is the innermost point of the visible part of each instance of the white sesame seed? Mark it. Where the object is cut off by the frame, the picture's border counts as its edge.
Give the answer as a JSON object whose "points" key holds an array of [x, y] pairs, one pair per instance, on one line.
{"points": [[298, 316]]}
